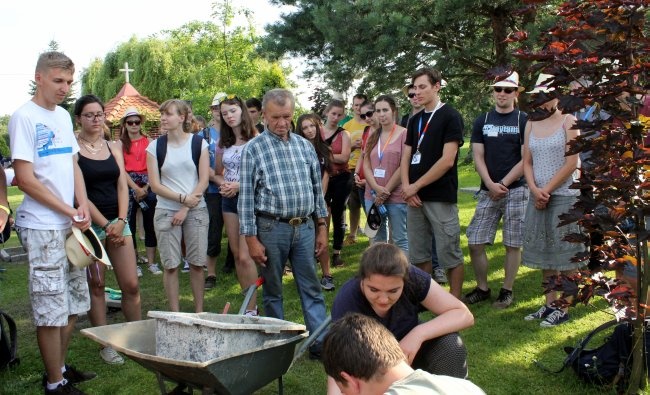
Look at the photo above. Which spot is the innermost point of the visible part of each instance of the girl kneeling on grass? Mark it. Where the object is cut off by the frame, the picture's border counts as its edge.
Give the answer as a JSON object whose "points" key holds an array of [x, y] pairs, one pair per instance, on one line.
{"points": [[394, 292]]}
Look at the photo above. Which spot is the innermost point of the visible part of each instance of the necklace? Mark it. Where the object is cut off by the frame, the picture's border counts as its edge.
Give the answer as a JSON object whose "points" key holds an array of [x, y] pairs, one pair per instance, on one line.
{"points": [[90, 146]]}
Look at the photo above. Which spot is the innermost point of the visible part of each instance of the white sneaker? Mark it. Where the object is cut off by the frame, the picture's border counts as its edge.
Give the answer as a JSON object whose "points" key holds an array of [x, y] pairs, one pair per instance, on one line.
{"points": [[154, 269], [111, 356], [138, 270], [186, 266]]}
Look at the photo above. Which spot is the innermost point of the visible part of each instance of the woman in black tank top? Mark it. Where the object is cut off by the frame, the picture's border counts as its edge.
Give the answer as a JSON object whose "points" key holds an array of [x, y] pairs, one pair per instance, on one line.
{"points": [[102, 166]]}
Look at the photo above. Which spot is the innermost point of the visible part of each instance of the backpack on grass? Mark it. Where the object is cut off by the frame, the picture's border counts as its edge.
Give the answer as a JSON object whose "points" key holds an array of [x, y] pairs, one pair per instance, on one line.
{"points": [[8, 342], [608, 364]]}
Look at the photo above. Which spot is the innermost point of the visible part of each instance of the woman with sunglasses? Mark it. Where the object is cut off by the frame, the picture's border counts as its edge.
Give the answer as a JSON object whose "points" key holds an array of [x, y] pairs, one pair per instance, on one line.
{"points": [[367, 110], [102, 166], [181, 212], [392, 291], [134, 148], [340, 183], [310, 126], [237, 129], [381, 168]]}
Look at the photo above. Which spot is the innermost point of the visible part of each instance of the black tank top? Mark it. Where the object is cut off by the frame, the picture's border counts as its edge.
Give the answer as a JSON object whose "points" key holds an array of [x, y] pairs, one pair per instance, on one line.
{"points": [[101, 177]]}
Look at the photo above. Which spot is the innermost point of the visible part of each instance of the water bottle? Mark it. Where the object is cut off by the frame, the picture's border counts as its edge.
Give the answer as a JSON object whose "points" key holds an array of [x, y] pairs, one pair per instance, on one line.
{"points": [[381, 207]]}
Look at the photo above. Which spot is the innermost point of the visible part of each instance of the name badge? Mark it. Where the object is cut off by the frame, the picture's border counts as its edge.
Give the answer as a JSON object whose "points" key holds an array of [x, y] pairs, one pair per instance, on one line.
{"points": [[416, 158], [379, 173]]}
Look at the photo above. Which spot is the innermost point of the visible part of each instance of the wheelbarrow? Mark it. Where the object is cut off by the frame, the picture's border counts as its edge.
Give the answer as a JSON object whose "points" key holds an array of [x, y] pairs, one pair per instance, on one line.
{"points": [[214, 353]]}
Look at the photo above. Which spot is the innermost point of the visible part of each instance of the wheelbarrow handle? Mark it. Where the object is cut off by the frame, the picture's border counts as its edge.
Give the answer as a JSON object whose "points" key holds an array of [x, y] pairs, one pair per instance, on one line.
{"points": [[249, 294], [312, 338]]}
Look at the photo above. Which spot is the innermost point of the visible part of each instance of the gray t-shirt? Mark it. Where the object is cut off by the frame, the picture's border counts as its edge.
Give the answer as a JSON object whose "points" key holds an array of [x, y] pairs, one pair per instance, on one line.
{"points": [[422, 383]]}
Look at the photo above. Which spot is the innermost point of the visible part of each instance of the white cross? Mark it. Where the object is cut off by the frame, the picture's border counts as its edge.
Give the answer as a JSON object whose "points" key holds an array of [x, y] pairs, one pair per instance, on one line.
{"points": [[126, 70]]}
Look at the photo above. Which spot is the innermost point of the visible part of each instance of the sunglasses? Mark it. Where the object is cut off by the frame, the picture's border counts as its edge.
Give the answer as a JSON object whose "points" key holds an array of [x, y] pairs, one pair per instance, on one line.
{"points": [[131, 123], [411, 95], [366, 115], [498, 89]]}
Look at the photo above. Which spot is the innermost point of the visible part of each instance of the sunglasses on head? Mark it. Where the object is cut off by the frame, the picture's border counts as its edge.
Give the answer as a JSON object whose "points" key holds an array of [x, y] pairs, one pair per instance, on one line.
{"points": [[498, 89], [131, 123], [366, 115], [411, 95]]}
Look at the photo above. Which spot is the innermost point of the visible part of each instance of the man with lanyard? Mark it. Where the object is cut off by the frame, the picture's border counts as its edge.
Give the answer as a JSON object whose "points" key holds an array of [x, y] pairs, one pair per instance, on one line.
{"points": [[355, 126], [280, 203], [430, 180], [497, 143], [438, 273]]}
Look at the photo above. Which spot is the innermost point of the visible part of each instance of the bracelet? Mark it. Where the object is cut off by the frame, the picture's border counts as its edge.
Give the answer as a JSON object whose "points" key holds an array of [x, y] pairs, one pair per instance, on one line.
{"points": [[179, 198], [501, 182], [123, 220], [106, 226], [5, 209], [184, 198], [322, 224]]}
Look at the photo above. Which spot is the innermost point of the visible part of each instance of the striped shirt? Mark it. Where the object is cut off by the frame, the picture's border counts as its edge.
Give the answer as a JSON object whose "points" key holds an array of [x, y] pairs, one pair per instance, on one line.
{"points": [[280, 178]]}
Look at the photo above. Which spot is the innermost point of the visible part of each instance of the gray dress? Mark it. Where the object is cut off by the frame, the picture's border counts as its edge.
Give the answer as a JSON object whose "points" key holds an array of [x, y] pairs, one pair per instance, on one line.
{"points": [[543, 245]]}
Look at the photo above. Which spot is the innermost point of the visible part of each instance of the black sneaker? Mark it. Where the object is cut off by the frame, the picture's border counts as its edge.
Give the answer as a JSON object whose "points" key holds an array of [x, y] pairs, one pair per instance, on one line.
{"points": [[316, 351], [68, 388], [477, 295], [75, 376], [539, 314], [337, 261], [210, 282], [554, 318], [504, 300]]}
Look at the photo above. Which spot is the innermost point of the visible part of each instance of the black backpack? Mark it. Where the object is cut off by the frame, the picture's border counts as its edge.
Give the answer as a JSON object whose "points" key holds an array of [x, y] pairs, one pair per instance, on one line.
{"points": [[8, 342], [608, 364], [161, 150]]}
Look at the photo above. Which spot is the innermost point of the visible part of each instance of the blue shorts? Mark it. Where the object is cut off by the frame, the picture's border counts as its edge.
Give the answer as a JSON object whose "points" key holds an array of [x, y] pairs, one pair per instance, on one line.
{"points": [[229, 205]]}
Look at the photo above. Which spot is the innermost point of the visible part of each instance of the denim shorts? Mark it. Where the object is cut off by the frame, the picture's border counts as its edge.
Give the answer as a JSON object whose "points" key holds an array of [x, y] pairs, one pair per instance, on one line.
{"points": [[229, 205], [101, 234]]}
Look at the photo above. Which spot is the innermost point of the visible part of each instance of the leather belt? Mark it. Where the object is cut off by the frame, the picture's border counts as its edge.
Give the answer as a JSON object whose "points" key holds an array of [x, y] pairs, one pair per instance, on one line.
{"points": [[295, 221]]}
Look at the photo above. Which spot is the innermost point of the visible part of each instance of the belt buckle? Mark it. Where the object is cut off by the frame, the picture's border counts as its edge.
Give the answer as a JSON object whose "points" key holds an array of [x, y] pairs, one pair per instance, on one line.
{"points": [[295, 221]]}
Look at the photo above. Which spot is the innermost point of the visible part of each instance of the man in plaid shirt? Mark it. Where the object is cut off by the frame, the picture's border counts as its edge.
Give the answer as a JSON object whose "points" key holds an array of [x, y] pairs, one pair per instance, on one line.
{"points": [[282, 212]]}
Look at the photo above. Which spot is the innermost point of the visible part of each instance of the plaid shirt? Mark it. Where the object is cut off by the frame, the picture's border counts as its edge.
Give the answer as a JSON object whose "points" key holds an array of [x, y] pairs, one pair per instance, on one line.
{"points": [[280, 178]]}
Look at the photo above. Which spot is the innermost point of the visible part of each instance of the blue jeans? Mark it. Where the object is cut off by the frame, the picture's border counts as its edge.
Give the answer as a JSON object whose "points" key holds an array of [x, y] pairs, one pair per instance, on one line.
{"points": [[396, 219], [283, 241]]}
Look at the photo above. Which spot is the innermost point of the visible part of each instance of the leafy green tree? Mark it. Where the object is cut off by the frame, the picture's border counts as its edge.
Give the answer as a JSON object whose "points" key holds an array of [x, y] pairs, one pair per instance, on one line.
{"points": [[192, 62], [602, 48], [381, 42]]}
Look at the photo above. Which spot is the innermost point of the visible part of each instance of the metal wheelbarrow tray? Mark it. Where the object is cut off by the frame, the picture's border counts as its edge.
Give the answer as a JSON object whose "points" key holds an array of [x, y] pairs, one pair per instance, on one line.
{"points": [[216, 353]]}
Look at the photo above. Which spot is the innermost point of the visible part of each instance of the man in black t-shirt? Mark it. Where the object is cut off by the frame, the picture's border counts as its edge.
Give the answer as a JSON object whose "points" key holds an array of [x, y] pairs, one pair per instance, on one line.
{"points": [[497, 141], [430, 180]]}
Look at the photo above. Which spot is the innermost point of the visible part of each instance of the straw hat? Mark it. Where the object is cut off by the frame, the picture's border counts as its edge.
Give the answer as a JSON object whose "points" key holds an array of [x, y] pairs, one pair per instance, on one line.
{"points": [[130, 112], [84, 248], [542, 84], [511, 81]]}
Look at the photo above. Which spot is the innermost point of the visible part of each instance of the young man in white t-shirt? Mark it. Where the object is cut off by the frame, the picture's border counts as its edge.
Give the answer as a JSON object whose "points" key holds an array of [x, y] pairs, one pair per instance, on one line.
{"points": [[43, 150], [363, 357]]}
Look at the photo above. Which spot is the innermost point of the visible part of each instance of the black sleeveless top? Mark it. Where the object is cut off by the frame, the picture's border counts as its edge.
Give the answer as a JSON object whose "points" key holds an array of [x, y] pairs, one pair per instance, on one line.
{"points": [[101, 177]]}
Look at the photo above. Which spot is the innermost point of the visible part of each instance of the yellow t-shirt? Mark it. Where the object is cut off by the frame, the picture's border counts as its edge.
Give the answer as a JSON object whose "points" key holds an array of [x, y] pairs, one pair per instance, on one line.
{"points": [[356, 132]]}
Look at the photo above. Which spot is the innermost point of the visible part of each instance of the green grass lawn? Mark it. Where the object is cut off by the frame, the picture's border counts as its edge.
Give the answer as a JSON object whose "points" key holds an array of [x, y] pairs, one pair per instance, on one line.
{"points": [[502, 346]]}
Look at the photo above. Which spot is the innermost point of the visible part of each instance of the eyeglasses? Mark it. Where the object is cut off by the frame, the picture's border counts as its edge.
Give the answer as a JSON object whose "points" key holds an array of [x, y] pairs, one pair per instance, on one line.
{"points": [[411, 95], [131, 123], [498, 89], [92, 117], [366, 115]]}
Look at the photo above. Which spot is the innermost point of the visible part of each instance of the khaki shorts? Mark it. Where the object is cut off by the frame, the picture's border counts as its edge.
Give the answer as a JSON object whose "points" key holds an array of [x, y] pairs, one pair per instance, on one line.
{"points": [[194, 231], [439, 219], [56, 288]]}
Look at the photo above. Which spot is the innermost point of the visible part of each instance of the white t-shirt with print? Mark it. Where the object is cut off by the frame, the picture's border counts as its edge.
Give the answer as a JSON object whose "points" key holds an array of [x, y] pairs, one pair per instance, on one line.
{"points": [[46, 139]]}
